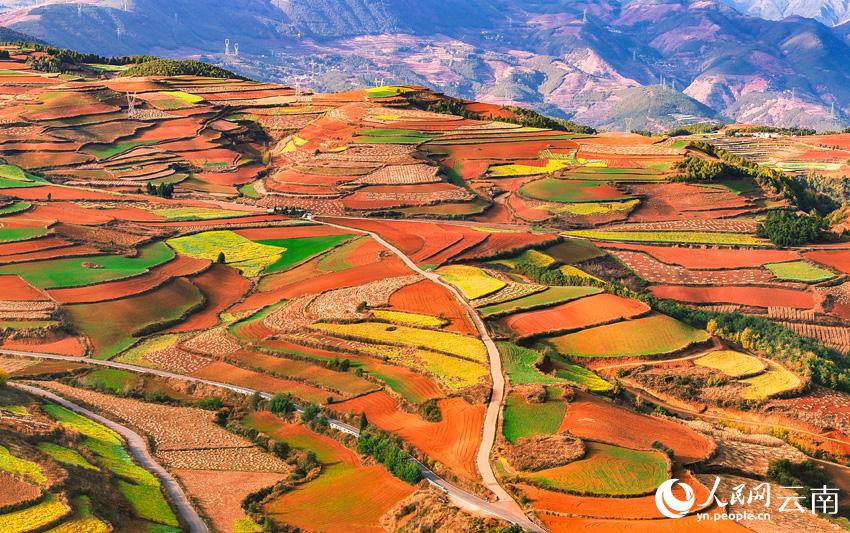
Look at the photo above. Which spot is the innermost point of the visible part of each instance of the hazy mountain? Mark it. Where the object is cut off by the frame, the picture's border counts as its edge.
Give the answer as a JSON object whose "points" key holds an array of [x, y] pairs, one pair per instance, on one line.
{"points": [[581, 60], [830, 12]]}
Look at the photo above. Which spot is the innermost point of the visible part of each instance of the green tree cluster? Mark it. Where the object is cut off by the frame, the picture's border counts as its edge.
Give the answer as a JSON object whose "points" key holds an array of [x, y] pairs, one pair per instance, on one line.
{"points": [[388, 451], [178, 67], [784, 228], [163, 190]]}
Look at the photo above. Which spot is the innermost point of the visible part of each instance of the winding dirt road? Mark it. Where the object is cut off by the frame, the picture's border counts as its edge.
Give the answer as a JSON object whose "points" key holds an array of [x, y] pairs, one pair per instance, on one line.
{"points": [[139, 449], [497, 396]]}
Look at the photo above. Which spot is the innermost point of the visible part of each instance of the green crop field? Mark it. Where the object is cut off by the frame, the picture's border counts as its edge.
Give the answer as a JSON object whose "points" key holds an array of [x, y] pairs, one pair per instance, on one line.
{"points": [[582, 377], [84, 521], [519, 365], [775, 380], [248, 256], [799, 271], [574, 251], [547, 298], [189, 98], [388, 91], [593, 208], [733, 364], [59, 273], [472, 281], [111, 379], [653, 335], [20, 234], [607, 471], [571, 191], [523, 419], [529, 257], [392, 136], [149, 503], [105, 151], [65, 455], [134, 315], [81, 424], [299, 249], [20, 467], [694, 237]]}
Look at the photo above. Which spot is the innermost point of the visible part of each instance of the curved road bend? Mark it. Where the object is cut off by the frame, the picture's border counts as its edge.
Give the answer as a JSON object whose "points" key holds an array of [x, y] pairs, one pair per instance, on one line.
{"points": [[461, 498], [491, 420], [139, 448]]}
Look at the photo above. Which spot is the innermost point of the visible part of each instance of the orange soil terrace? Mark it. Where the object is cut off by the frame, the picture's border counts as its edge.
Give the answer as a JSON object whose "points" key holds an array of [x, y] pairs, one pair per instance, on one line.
{"points": [[427, 298], [453, 441], [589, 417], [837, 259], [14, 288], [688, 524], [578, 314], [754, 296], [708, 258], [222, 286]]}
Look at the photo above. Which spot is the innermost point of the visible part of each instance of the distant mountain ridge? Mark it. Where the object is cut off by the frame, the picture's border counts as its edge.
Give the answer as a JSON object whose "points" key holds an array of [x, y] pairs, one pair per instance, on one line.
{"points": [[591, 61]]}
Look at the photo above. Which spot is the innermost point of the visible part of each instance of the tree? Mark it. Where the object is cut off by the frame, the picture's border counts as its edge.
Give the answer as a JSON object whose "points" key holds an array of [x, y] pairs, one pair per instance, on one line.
{"points": [[311, 411], [784, 228], [220, 259], [364, 423], [4, 378], [281, 403]]}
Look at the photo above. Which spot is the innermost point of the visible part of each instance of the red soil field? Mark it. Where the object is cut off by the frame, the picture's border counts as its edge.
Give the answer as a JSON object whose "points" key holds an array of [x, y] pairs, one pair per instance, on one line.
{"points": [[428, 298], [289, 232], [709, 258], [386, 196], [34, 160], [522, 209], [602, 507], [249, 219], [223, 286], [507, 150], [838, 259], [688, 524], [68, 212], [32, 245], [220, 494], [62, 346], [453, 441], [227, 373], [51, 253], [593, 418], [13, 288], [578, 314], [157, 276], [842, 140], [504, 241], [358, 275], [741, 295], [672, 201], [57, 193], [368, 252]]}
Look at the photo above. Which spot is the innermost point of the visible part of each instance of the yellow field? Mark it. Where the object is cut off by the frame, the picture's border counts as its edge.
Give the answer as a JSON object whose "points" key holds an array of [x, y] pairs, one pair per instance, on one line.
{"points": [[427, 339], [591, 208], [409, 319], [530, 257], [775, 381], [504, 171], [454, 373], [733, 364], [246, 255], [569, 270], [472, 281], [34, 518]]}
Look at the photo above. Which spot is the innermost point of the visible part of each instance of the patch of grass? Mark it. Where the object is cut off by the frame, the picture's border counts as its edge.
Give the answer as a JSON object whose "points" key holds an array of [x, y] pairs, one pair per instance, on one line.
{"points": [[26, 324], [441, 341], [547, 298], [60, 273], [733, 364], [799, 271], [520, 366], [105, 151], [189, 98], [20, 467], [299, 249], [14, 207], [523, 419], [572, 191], [695, 237], [472, 281], [111, 379], [573, 271], [607, 471], [81, 424], [392, 136], [84, 520], [149, 503], [652, 335], [249, 191], [409, 319], [593, 208], [248, 256], [775, 380], [387, 91], [33, 518], [65, 455]]}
